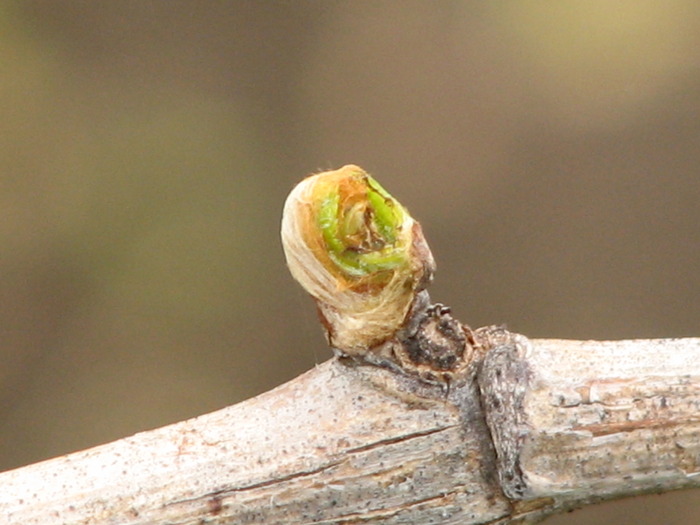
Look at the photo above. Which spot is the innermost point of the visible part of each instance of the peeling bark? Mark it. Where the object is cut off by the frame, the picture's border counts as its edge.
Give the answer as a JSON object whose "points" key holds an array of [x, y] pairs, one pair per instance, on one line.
{"points": [[530, 428]]}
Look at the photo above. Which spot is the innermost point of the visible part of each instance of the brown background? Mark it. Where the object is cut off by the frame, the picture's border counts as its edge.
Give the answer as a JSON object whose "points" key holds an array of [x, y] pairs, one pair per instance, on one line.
{"points": [[551, 151]]}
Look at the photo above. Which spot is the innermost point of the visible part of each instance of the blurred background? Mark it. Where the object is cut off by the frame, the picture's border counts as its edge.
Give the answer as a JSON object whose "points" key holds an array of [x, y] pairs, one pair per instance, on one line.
{"points": [[550, 150]]}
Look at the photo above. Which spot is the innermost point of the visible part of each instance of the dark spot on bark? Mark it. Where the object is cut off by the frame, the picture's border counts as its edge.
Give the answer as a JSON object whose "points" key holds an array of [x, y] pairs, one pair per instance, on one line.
{"points": [[215, 505], [438, 342]]}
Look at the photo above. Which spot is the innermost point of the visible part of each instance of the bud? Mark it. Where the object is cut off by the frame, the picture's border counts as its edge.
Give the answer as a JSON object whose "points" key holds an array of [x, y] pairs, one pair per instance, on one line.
{"points": [[358, 252]]}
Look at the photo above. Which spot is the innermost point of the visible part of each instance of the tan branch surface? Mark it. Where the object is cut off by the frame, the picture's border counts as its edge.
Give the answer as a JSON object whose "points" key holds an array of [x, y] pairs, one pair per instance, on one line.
{"points": [[573, 422]]}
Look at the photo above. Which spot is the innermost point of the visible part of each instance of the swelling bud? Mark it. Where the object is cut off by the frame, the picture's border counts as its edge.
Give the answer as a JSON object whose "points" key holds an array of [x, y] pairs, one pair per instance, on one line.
{"points": [[358, 252]]}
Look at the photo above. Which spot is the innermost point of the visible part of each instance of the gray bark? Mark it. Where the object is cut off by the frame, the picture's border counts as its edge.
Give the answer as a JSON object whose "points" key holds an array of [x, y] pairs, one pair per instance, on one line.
{"points": [[534, 428]]}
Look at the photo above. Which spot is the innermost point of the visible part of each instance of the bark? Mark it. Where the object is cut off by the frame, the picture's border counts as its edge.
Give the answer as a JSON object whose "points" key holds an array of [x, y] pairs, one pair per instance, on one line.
{"points": [[531, 428]]}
